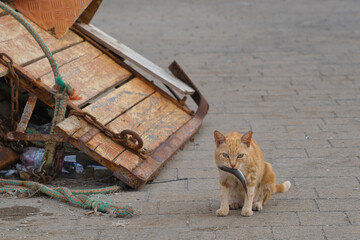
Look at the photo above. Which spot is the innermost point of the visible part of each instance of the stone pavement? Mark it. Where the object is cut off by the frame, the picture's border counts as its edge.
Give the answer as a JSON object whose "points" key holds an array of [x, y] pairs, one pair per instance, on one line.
{"points": [[286, 69]]}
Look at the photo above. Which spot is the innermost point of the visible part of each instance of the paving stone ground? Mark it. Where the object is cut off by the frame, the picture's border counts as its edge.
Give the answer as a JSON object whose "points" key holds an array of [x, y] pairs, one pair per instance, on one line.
{"points": [[286, 69]]}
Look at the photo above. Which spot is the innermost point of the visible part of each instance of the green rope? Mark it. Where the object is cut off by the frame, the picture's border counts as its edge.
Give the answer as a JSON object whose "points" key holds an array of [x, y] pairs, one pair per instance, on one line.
{"points": [[61, 100], [77, 198]]}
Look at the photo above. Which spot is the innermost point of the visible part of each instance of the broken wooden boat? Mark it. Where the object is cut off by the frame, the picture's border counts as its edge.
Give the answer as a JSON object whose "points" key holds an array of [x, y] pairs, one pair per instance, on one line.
{"points": [[112, 97]]}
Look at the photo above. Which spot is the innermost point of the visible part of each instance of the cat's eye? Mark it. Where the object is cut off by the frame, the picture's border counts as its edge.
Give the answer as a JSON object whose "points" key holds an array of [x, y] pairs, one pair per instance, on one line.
{"points": [[240, 155], [225, 155]]}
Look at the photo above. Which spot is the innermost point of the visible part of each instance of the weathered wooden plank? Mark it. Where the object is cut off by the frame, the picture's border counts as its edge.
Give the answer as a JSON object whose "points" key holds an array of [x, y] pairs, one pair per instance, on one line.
{"points": [[173, 143], [76, 127], [128, 160], [132, 56], [27, 112], [107, 148], [54, 16], [73, 57], [130, 168], [84, 127], [164, 128], [118, 101], [149, 167], [20, 45], [143, 168], [154, 119], [70, 125], [91, 78], [95, 141], [144, 115]]}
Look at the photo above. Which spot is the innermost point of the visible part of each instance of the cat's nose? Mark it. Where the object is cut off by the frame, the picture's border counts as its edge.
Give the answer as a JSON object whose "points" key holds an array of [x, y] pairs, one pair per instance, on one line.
{"points": [[233, 165]]}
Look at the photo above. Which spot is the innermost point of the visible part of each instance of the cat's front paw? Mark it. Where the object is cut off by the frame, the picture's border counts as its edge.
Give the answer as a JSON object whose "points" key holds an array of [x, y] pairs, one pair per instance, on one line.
{"points": [[257, 206], [222, 212], [246, 212], [234, 206]]}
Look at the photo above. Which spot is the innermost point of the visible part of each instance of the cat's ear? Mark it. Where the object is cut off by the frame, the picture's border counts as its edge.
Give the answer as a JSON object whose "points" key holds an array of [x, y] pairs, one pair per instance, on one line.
{"points": [[246, 138], [219, 138]]}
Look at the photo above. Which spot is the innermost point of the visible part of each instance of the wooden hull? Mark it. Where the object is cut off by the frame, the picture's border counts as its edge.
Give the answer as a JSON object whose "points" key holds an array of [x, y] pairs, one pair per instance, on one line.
{"points": [[117, 95]]}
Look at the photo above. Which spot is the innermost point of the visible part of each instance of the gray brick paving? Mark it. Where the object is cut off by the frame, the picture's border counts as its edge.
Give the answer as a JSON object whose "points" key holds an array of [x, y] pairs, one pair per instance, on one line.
{"points": [[286, 69], [298, 232]]}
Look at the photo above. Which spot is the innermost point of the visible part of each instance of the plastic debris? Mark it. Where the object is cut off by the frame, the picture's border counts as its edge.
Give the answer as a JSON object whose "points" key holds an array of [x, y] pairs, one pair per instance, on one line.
{"points": [[31, 158], [70, 165], [7, 172]]}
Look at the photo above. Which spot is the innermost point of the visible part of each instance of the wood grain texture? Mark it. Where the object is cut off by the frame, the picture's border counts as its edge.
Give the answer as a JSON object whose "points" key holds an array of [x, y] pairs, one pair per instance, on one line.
{"points": [[76, 127], [84, 127], [55, 16], [135, 104], [144, 115], [135, 58], [26, 114], [90, 74], [128, 160], [164, 128], [70, 125], [130, 168], [71, 57], [154, 119], [107, 148], [120, 100], [20, 45]]}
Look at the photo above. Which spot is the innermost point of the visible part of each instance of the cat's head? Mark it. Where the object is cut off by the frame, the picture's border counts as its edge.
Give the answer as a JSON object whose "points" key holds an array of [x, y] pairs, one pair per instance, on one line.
{"points": [[232, 150]]}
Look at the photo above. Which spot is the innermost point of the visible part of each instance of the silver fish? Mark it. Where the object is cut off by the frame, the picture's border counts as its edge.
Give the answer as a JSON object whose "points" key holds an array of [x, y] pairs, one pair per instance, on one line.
{"points": [[237, 173]]}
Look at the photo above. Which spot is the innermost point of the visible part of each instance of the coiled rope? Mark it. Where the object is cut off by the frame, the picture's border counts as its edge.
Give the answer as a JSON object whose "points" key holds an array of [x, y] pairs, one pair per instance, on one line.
{"points": [[77, 198]]}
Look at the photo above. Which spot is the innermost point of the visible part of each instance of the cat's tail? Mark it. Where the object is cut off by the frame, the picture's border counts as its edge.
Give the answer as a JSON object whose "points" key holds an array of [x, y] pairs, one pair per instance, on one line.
{"points": [[283, 187]]}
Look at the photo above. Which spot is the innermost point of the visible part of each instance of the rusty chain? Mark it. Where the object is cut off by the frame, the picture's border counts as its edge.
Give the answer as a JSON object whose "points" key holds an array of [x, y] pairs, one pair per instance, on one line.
{"points": [[14, 84], [128, 137]]}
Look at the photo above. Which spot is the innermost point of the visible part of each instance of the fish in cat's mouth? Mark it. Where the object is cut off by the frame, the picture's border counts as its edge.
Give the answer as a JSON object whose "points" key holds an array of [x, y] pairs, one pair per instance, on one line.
{"points": [[237, 173]]}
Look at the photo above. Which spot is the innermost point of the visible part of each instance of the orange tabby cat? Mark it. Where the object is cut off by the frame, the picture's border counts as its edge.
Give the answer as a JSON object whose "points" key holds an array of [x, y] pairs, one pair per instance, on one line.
{"points": [[238, 151]]}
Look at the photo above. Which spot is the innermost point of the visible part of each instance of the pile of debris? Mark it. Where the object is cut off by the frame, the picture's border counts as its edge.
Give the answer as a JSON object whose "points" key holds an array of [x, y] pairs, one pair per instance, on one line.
{"points": [[21, 159], [93, 107]]}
